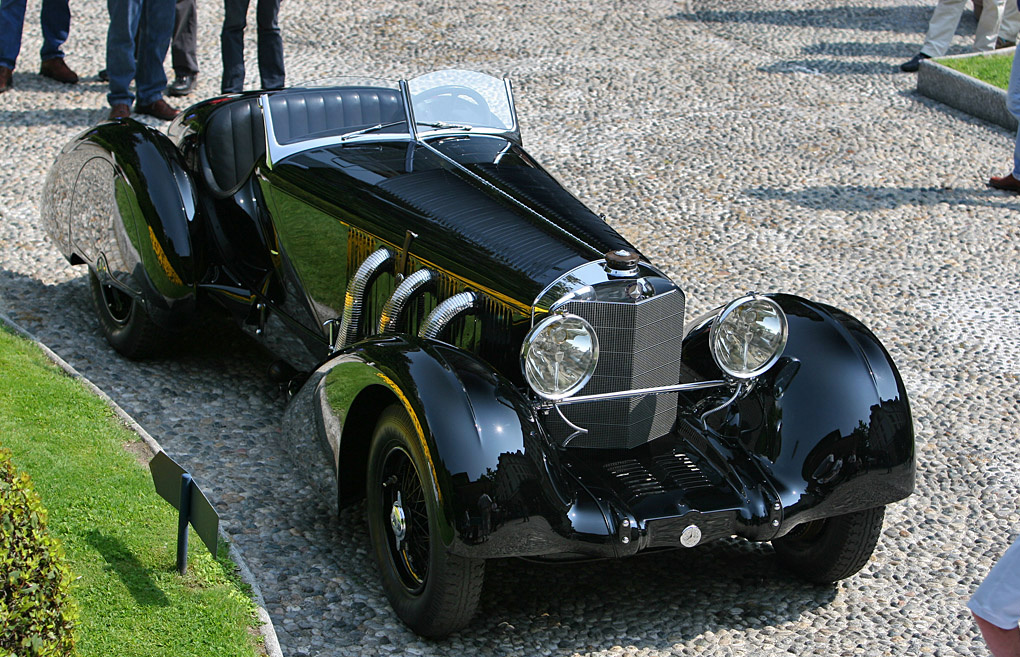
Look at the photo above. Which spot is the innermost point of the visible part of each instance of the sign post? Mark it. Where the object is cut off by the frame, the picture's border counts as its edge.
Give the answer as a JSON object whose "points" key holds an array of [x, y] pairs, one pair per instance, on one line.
{"points": [[178, 488]]}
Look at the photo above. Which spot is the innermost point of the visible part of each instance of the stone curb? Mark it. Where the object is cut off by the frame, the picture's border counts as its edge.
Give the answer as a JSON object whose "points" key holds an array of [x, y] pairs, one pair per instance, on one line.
{"points": [[266, 629], [962, 92]]}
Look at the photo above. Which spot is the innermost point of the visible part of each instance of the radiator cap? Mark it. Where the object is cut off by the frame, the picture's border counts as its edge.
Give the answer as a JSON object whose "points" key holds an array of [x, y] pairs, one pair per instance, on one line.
{"points": [[622, 262]]}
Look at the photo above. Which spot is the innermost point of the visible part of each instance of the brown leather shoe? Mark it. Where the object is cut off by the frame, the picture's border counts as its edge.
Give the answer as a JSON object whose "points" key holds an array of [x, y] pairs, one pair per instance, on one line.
{"points": [[159, 109], [5, 79], [119, 111], [1007, 182], [56, 69]]}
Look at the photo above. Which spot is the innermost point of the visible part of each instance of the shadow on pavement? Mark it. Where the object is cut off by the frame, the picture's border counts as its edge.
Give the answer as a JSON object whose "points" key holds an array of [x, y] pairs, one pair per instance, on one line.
{"points": [[863, 198], [909, 19]]}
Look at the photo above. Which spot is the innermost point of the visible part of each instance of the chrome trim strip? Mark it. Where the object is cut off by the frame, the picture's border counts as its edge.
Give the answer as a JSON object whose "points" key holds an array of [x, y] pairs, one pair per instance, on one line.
{"points": [[623, 394], [591, 273], [354, 297], [445, 312], [394, 306]]}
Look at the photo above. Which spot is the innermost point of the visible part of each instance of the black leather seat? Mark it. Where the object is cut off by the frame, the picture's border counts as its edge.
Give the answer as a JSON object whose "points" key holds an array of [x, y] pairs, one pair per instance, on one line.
{"points": [[234, 138]]}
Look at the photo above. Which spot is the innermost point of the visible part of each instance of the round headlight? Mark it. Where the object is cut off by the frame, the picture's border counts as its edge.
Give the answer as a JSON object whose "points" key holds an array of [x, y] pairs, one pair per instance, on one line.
{"points": [[748, 336], [559, 355]]}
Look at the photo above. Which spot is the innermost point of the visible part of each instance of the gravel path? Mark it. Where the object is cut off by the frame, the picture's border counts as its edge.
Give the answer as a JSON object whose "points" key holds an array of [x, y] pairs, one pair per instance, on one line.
{"points": [[741, 149]]}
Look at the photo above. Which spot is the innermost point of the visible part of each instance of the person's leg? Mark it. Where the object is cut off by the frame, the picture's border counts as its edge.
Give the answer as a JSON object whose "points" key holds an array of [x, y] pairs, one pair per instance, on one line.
{"points": [[232, 45], [1010, 23], [120, 49], [270, 44], [1000, 642], [153, 41], [942, 27], [12, 21], [185, 42], [1013, 105], [55, 19], [988, 25]]}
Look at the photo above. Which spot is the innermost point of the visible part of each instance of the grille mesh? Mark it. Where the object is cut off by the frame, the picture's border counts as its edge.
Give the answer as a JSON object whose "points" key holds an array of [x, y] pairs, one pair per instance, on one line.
{"points": [[639, 347]]}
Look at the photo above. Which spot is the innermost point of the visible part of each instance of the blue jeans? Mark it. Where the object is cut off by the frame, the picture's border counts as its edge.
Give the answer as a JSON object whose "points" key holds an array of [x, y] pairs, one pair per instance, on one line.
{"points": [[55, 19], [153, 23], [1013, 105], [270, 44]]}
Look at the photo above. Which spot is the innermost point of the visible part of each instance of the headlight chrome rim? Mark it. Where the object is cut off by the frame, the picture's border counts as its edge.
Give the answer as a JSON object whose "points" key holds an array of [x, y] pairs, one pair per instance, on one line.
{"points": [[734, 316], [584, 363]]}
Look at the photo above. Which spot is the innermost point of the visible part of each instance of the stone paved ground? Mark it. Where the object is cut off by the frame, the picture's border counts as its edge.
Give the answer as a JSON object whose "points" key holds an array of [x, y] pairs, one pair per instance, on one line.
{"points": [[739, 145]]}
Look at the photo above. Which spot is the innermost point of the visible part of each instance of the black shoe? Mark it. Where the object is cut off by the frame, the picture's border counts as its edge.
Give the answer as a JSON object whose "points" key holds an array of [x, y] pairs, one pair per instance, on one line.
{"points": [[1001, 43], [103, 76], [182, 85], [914, 63]]}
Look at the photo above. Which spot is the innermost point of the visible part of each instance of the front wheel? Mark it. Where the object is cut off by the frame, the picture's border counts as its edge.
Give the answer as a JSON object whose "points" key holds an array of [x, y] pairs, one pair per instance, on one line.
{"points": [[831, 549], [124, 322], [432, 591]]}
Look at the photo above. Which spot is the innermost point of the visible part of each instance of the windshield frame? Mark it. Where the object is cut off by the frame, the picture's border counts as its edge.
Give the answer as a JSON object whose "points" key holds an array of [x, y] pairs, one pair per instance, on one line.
{"points": [[416, 130]]}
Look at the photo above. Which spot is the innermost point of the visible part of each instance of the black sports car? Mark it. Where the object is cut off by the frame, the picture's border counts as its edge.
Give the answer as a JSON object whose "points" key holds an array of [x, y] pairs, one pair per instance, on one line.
{"points": [[491, 366]]}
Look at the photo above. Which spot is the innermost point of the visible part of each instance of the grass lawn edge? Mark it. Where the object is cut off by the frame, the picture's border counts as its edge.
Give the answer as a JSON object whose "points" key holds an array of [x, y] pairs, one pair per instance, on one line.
{"points": [[266, 629]]}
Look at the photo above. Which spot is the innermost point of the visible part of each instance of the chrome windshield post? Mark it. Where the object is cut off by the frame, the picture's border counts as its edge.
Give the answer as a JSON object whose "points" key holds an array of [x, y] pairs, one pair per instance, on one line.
{"points": [[405, 93]]}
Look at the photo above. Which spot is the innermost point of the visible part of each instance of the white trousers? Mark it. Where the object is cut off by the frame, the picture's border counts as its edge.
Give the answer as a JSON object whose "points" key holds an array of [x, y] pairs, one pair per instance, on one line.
{"points": [[945, 19], [1010, 24]]}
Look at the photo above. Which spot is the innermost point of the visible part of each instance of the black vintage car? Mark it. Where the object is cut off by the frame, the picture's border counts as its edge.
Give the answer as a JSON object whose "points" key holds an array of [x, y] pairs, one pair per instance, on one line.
{"points": [[490, 366]]}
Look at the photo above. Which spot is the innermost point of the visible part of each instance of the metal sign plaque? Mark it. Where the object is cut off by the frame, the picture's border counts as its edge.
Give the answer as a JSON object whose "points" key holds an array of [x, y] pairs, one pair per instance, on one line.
{"points": [[170, 480]]}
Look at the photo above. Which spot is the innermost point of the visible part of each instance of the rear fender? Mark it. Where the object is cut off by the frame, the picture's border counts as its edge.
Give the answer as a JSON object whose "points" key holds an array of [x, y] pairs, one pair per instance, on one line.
{"points": [[487, 455], [120, 200], [828, 426]]}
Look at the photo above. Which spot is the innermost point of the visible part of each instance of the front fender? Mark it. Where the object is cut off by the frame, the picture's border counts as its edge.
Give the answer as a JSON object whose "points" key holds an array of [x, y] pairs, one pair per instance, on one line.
{"points": [[498, 483], [828, 426], [119, 199]]}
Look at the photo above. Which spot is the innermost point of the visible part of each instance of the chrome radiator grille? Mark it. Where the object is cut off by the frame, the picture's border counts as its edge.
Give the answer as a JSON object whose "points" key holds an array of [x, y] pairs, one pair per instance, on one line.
{"points": [[639, 347]]}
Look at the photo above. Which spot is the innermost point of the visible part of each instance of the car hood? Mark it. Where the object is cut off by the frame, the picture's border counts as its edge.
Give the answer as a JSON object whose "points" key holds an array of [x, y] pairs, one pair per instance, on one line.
{"points": [[481, 208]]}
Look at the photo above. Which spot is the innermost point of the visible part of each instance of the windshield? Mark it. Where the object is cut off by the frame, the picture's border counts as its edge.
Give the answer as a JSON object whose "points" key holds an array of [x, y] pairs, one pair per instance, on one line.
{"points": [[350, 110], [464, 99]]}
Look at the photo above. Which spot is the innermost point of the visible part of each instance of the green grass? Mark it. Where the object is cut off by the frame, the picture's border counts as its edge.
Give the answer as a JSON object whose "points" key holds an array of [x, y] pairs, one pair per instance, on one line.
{"points": [[119, 537], [993, 69]]}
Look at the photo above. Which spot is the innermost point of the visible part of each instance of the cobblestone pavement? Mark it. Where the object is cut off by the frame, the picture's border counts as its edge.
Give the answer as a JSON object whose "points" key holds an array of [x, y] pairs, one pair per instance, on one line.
{"points": [[742, 149]]}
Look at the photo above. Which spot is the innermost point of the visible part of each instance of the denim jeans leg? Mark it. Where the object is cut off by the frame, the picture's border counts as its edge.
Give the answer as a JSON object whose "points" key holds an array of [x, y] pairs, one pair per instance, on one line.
{"points": [[270, 44], [1013, 105], [12, 20], [155, 30], [232, 45], [55, 18], [120, 49]]}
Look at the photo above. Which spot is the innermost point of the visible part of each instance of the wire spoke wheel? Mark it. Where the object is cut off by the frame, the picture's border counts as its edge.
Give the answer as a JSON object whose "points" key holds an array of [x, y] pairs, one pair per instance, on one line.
{"points": [[432, 590], [408, 518]]}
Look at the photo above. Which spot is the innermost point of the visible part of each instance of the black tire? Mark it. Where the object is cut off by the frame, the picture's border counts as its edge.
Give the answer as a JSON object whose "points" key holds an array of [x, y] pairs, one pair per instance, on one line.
{"points": [[432, 591], [124, 322], [831, 549]]}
